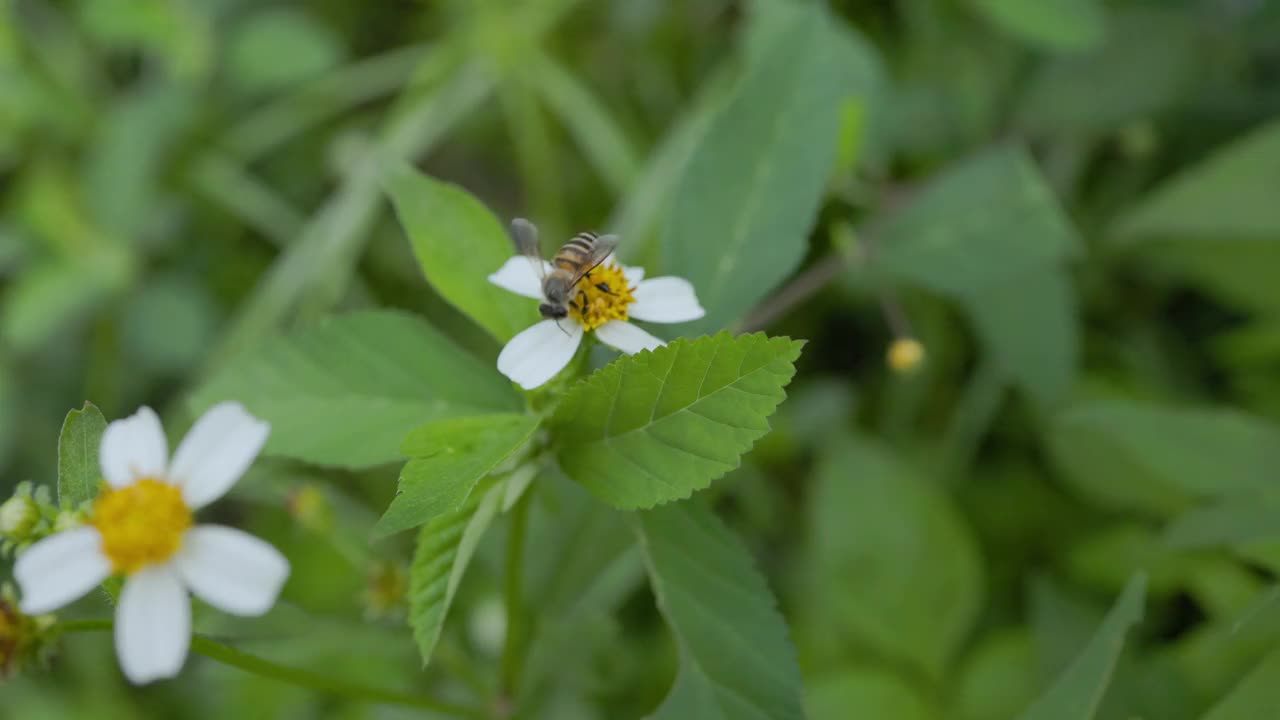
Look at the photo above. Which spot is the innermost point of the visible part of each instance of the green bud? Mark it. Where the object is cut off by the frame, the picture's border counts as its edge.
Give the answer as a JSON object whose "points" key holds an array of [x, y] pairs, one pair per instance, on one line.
{"points": [[24, 641], [18, 517], [67, 519]]}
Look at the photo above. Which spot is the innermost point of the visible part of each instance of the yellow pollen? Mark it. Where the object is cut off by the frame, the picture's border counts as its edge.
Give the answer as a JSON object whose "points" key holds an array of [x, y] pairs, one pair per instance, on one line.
{"points": [[603, 295], [141, 524]]}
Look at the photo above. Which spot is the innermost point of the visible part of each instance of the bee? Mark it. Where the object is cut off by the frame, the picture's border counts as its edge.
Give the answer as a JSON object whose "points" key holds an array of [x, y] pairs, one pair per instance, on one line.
{"points": [[572, 262]]}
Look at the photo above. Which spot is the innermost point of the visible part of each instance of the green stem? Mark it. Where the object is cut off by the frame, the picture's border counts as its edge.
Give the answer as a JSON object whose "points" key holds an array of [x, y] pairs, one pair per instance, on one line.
{"points": [[513, 652], [302, 678]]}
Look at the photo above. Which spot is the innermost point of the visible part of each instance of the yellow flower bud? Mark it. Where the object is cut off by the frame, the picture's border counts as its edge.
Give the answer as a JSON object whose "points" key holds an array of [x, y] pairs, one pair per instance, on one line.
{"points": [[905, 355]]}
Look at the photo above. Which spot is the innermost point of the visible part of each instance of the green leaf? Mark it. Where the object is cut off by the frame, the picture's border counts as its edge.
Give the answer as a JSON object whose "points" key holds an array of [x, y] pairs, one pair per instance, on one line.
{"points": [[998, 677], [445, 546], [1226, 197], [278, 48], [1145, 65], [1076, 693], [885, 545], [346, 391], [447, 459], [1129, 455], [588, 120], [1051, 24], [78, 474], [1256, 696], [989, 219], [656, 426], [459, 243], [865, 693], [1029, 326], [1231, 521], [747, 200], [736, 662]]}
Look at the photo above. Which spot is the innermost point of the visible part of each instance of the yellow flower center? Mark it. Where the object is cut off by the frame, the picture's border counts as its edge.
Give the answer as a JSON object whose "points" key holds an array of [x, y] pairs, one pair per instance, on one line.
{"points": [[141, 524], [603, 295]]}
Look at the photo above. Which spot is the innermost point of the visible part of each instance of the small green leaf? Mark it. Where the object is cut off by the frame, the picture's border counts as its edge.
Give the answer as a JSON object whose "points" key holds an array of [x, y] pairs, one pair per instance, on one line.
{"points": [[1129, 455], [1256, 696], [459, 243], [885, 545], [1226, 197], [998, 677], [1076, 693], [278, 47], [346, 391], [956, 238], [445, 546], [860, 692], [447, 459], [735, 659], [656, 426], [740, 220], [1053, 24], [78, 474]]}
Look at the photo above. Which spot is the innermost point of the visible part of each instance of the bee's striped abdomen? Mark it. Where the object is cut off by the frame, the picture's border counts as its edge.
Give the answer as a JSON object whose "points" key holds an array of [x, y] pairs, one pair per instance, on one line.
{"points": [[576, 252]]}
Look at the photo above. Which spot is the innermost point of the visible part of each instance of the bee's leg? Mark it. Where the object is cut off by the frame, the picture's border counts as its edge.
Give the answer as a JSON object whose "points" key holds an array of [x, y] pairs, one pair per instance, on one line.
{"points": [[604, 288]]}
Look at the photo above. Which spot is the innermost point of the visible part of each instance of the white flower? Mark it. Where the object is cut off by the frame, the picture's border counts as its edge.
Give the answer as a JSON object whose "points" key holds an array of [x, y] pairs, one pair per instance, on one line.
{"points": [[142, 527], [538, 353]]}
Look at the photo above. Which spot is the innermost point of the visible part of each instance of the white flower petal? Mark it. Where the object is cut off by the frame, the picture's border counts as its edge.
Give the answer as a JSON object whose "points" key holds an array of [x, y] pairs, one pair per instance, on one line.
{"points": [[59, 569], [216, 452], [231, 570], [666, 300], [520, 276], [633, 275], [627, 337], [153, 625], [539, 352], [133, 448]]}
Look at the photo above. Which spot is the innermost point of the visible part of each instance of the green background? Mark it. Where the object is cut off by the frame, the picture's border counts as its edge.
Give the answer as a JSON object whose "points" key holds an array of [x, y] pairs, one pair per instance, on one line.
{"points": [[1072, 202]]}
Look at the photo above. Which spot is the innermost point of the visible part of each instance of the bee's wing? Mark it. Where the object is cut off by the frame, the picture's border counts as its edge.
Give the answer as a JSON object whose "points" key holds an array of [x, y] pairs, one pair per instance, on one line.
{"points": [[525, 236], [603, 248]]}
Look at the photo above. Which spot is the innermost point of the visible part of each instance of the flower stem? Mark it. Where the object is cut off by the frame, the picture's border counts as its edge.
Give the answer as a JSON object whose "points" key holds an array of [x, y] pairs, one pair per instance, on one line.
{"points": [[513, 595], [228, 655]]}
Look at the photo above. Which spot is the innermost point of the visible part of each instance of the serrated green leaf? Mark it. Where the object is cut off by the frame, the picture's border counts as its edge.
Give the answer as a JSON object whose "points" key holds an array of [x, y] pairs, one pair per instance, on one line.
{"points": [[78, 474], [1226, 197], [1256, 696], [885, 545], [458, 243], [346, 391], [956, 238], [656, 426], [747, 200], [1076, 693], [447, 459], [1157, 459], [1053, 24], [445, 546], [736, 662]]}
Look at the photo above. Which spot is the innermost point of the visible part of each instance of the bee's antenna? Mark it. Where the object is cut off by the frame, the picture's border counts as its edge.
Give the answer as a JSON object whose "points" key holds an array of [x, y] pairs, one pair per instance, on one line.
{"points": [[566, 332]]}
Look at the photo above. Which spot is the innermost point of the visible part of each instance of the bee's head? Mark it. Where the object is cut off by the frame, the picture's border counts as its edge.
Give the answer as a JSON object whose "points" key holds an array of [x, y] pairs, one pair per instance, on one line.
{"points": [[553, 312]]}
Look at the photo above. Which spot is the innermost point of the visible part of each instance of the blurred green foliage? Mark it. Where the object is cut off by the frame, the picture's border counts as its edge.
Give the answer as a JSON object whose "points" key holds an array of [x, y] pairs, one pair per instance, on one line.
{"points": [[1070, 203]]}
